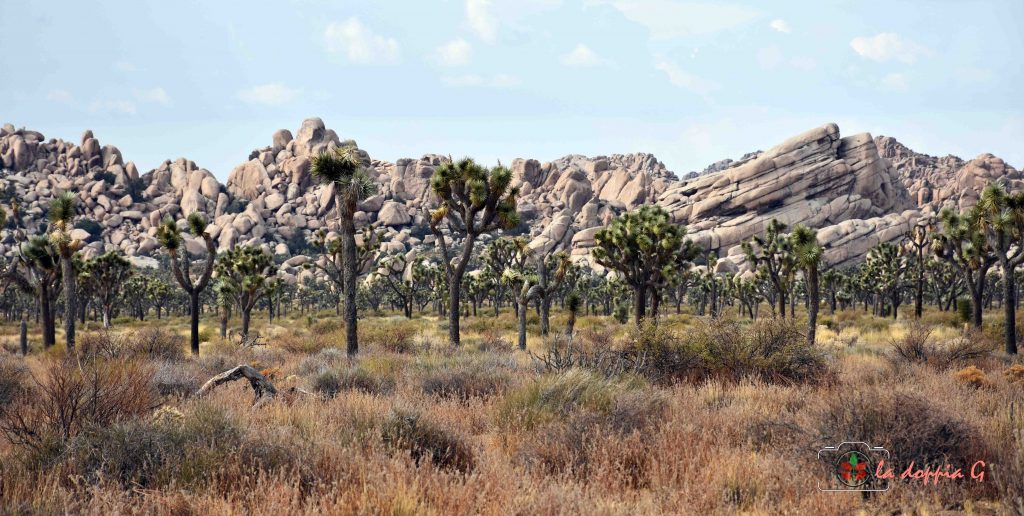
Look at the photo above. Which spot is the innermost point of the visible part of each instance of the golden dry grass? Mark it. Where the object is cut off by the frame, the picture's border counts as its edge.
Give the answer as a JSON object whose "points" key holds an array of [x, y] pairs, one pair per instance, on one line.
{"points": [[419, 428]]}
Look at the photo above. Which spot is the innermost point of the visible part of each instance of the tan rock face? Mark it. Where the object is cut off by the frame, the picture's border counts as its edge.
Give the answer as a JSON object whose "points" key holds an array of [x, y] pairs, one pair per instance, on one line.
{"points": [[858, 190]]}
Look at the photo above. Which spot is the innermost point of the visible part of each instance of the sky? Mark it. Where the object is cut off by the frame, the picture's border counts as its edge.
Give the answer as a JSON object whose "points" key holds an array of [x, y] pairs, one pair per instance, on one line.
{"points": [[691, 82]]}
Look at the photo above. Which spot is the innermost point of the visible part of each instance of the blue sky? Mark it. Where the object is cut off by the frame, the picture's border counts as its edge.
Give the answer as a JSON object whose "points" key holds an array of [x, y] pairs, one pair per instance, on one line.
{"points": [[691, 82]]}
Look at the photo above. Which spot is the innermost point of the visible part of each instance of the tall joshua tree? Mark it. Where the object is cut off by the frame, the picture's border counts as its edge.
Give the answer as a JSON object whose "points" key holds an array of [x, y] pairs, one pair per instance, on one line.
{"points": [[647, 249], [1001, 218], [343, 170], [918, 241], [170, 237], [43, 278], [963, 243], [807, 255], [62, 213], [473, 200]]}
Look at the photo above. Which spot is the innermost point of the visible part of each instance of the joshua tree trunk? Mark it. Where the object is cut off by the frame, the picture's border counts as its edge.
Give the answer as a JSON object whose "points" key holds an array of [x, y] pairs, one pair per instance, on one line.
{"points": [[193, 321], [521, 317], [49, 332], [68, 272], [348, 252], [1009, 307], [106, 315], [225, 313], [23, 337], [782, 304], [640, 303], [545, 312], [977, 288], [813, 300]]}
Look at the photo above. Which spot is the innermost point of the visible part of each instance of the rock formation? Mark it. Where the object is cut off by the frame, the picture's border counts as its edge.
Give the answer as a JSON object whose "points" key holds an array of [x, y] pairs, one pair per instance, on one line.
{"points": [[859, 191]]}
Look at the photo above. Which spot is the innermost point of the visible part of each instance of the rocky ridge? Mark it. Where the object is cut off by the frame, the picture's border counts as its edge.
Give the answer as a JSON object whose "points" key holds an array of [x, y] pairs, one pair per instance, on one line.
{"points": [[857, 189]]}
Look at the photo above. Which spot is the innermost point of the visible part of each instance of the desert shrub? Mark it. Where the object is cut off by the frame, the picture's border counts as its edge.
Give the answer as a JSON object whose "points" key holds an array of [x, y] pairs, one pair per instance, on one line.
{"points": [[321, 362], [395, 338], [554, 395], [13, 376], [143, 343], [303, 344], [917, 346], [909, 425], [659, 353], [464, 380], [326, 326], [772, 349], [425, 440], [494, 340], [973, 377], [358, 378], [1015, 374], [156, 343], [71, 397], [149, 453], [177, 378]]}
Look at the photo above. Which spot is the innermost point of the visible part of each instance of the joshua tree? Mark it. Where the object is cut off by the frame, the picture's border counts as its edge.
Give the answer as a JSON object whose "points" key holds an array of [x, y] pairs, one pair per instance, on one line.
{"points": [[647, 249], [43, 277], [343, 170], [918, 241], [572, 305], [496, 257], [1001, 217], [551, 271], [401, 277], [473, 201], [774, 261], [170, 237], [105, 275], [62, 213], [807, 255], [886, 266], [962, 242], [246, 269]]}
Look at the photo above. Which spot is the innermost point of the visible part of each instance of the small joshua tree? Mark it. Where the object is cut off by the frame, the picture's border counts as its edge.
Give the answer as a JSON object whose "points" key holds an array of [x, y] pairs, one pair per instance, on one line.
{"points": [[170, 237], [104, 276], [246, 269], [42, 264], [647, 250], [770, 254], [343, 169], [473, 200]]}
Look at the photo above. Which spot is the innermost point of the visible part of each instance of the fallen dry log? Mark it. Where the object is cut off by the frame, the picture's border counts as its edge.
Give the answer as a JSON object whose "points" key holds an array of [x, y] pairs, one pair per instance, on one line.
{"points": [[260, 384]]}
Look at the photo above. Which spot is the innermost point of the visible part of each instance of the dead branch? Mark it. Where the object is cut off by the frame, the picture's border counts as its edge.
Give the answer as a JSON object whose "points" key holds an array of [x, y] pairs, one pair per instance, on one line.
{"points": [[260, 384]]}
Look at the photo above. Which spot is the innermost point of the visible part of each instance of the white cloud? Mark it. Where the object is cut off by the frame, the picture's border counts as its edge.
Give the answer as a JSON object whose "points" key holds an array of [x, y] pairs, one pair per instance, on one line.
{"points": [[273, 94], [581, 57], [62, 96], [887, 46], [667, 19], [481, 20], [360, 44], [780, 25], [477, 81], [125, 107], [157, 95], [683, 79], [455, 53], [896, 82]]}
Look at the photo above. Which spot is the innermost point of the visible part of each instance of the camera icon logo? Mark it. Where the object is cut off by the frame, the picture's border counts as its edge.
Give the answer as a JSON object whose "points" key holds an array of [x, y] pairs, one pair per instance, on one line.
{"points": [[852, 466]]}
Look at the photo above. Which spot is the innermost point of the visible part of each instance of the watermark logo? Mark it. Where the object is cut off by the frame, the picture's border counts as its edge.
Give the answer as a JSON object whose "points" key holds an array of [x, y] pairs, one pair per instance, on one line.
{"points": [[851, 466]]}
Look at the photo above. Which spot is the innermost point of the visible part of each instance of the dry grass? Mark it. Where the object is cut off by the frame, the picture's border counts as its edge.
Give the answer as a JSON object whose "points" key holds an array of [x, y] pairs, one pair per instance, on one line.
{"points": [[726, 417]]}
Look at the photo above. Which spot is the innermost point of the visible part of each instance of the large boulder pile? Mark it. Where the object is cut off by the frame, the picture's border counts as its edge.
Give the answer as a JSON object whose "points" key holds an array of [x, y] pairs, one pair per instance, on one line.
{"points": [[857, 190], [949, 181]]}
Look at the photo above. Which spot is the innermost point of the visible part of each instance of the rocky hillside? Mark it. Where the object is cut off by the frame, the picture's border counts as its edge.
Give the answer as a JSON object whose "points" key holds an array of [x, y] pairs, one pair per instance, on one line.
{"points": [[857, 189]]}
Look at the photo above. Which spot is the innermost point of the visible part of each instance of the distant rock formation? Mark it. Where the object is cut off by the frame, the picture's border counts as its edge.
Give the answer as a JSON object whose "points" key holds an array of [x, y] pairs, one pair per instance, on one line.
{"points": [[857, 190]]}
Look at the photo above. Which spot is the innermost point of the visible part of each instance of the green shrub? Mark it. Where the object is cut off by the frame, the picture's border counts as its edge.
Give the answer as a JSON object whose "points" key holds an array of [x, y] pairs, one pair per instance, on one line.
{"points": [[554, 395], [464, 381]]}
